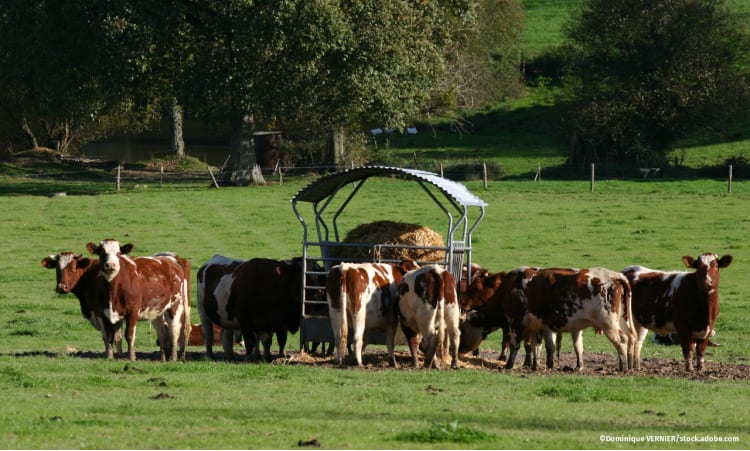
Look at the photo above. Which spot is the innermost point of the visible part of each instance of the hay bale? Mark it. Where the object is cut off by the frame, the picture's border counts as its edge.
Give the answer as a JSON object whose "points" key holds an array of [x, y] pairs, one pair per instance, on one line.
{"points": [[394, 233]]}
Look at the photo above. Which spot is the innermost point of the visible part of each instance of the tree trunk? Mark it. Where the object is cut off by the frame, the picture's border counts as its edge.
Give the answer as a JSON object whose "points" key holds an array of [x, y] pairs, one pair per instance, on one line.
{"points": [[174, 114], [29, 133], [242, 168], [335, 147]]}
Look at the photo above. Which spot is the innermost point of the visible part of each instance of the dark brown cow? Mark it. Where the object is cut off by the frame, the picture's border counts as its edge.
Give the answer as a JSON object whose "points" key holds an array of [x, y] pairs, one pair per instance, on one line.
{"points": [[152, 288], [80, 276], [534, 301], [364, 295], [685, 303], [260, 297]]}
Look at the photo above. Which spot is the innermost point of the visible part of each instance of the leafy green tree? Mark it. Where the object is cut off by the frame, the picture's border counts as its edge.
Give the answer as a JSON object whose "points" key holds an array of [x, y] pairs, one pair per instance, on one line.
{"points": [[328, 63], [485, 56], [58, 72], [647, 72]]}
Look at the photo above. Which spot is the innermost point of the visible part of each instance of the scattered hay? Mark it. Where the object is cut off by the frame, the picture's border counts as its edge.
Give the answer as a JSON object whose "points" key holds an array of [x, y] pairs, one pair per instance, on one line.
{"points": [[392, 233]]}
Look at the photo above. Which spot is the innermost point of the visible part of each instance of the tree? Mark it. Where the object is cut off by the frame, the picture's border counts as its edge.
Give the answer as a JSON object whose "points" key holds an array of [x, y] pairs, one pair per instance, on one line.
{"points": [[647, 72], [485, 56], [58, 74], [330, 64]]}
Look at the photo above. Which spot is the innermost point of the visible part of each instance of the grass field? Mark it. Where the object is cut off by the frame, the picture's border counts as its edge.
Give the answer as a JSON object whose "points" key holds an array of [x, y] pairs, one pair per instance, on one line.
{"points": [[60, 394], [63, 395]]}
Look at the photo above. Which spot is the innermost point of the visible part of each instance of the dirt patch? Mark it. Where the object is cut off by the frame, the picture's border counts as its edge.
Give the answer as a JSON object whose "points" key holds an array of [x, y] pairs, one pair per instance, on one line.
{"points": [[595, 364]]}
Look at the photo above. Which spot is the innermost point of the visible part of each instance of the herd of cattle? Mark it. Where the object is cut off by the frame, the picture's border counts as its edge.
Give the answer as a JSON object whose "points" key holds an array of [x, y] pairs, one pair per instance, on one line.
{"points": [[262, 297]]}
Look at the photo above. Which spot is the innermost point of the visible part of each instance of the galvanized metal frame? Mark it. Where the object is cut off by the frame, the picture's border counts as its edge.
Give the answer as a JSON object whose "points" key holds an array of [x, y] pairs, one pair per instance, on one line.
{"points": [[320, 194]]}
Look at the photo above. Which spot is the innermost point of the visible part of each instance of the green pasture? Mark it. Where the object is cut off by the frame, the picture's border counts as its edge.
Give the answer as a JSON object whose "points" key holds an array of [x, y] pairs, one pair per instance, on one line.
{"points": [[61, 394]]}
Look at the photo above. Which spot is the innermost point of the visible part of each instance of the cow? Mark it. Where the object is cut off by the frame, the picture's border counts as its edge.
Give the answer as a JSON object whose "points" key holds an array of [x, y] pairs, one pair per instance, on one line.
{"points": [[533, 301], [259, 296], [155, 288], [364, 294], [428, 306], [681, 302], [80, 276]]}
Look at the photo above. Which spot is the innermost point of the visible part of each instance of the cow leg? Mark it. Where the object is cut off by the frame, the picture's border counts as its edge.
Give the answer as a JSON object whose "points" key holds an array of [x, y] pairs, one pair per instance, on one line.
{"points": [[642, 334], [174, 330], [577, 337], [251, 342], [261, 338], [130, 335], [513, 351], [687, 351], [530, 360], [412, 339], [227, 342], [207, 329], [281, 339], [454, 339], [505, 347], [699, 351], [162, 337], [613, 334], [359, 333], [550, 339], [536, 345]]}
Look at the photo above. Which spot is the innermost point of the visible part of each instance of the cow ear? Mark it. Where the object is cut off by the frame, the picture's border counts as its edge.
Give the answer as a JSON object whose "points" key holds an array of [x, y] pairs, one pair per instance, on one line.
{"points": [[689, 261], [725, 261], [125, 249], [83, 262], [91, 247], [49, 262]]}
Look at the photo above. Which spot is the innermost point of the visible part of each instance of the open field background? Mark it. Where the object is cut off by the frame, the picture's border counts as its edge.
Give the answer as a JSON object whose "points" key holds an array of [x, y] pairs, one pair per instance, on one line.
{"points": [[61, 394]]}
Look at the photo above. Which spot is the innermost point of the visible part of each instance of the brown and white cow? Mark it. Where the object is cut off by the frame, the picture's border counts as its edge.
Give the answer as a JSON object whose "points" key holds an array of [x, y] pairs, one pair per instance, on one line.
{"points": [[80, 276], [428, 305], [155, 288], [681, 302], [365, 295], [260, 297], [537, 301]]}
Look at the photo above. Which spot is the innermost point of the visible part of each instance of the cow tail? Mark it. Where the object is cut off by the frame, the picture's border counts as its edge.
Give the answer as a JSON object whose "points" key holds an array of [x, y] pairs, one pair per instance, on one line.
{"points": [[632, 334], [441, 312], [186, 323], [345, 309]]}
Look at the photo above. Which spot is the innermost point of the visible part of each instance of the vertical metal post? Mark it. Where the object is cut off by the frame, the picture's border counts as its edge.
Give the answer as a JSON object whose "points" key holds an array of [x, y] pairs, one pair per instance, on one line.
{"points": [[592, 177], [117, 183], [729, 185]]}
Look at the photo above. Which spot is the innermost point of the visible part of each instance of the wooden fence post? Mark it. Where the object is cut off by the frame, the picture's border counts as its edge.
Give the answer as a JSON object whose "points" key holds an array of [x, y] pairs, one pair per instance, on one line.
{"points": [[117, 183], [592, 177], [729, 185], [484, 173], [211, 173]]}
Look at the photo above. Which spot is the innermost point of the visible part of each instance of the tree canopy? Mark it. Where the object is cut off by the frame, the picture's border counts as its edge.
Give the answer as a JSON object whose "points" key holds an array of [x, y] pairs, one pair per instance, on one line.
{"points": [[646, 72]]}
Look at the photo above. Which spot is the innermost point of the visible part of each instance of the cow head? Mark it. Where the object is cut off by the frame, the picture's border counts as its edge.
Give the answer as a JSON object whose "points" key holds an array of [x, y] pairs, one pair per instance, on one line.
{"points": [[70, 268], [109, 252], [59, 262], [707, 269], [482, 287]]}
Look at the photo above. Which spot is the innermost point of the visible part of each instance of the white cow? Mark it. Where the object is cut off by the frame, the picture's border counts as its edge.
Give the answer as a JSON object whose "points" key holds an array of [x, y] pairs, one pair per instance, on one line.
{"points": [[428, 305], [365, 295]]}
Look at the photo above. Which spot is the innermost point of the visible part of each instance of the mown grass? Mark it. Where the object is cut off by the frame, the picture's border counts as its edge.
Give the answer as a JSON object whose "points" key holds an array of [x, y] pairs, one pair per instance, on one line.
{"points": [[64, 400], [60, 394]]}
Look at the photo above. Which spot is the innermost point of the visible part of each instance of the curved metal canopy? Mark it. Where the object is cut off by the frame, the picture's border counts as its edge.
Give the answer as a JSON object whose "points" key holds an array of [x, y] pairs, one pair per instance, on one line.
{"points": [[324, 186]]}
